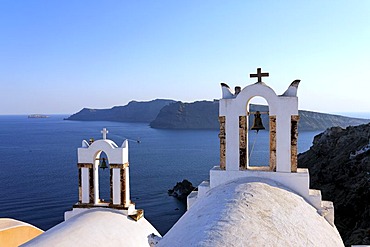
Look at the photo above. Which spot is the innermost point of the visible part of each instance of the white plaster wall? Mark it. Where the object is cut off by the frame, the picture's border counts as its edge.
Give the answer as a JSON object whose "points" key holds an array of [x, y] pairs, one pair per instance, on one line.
{"points": [[192, 197], [115, 154], [251, 212], [203, 188], [116, 186], [282, 107], [288, 106], [74, 212], [232, 147], [298, 182], [97, 227], [96, 181], [85, 185]]}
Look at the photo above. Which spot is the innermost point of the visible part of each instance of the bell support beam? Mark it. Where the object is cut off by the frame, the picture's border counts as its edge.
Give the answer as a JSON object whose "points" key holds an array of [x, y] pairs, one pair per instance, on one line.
{"points": [[294, 142], [255, 112], [222, 136], [272, 163], [243, 142]]}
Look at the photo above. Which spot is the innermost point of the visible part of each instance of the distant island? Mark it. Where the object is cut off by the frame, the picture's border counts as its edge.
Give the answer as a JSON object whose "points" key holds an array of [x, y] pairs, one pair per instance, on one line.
{"points": [[134, 111], [37, 116], [169, 114]]}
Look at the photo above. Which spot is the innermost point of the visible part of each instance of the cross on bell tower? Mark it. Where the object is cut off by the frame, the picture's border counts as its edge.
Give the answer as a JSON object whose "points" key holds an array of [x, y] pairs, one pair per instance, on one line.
{"points": [[259, 75], [104, 132]]}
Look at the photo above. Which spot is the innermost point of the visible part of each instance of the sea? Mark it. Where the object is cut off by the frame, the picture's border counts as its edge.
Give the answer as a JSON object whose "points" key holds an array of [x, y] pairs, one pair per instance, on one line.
{"points": [[39, 175]]}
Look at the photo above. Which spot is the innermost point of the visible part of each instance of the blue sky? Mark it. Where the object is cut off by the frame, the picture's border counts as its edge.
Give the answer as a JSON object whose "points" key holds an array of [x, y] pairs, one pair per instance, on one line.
{"points": [[60, 56]]}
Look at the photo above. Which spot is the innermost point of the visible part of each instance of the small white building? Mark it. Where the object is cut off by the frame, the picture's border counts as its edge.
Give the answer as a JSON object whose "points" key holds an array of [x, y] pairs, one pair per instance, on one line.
{"points": [[283, 124], [242, 205]]}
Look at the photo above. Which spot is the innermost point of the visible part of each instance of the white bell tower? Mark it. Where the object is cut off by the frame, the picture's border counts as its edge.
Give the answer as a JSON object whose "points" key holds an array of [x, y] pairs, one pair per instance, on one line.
{"points": [[88, 178], [283, 127]]}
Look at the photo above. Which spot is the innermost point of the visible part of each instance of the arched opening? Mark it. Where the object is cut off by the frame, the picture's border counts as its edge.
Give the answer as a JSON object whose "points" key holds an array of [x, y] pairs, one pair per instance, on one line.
{"points": [[102, 174], [258, 139]]}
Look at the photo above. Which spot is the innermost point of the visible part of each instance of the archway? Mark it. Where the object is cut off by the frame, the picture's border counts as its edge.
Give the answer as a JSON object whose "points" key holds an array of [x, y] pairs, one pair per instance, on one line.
{"points": [[283, 119], [258, 150], [103, 176]]}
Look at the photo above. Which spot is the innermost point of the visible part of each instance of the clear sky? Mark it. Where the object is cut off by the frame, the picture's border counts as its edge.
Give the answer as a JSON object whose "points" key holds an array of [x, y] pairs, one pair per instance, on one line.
{"points": [[58, 56]]}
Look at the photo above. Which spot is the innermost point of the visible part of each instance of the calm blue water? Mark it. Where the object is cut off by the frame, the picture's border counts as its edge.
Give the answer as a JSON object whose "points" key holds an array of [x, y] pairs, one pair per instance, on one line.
{"points": [[38, 165]]}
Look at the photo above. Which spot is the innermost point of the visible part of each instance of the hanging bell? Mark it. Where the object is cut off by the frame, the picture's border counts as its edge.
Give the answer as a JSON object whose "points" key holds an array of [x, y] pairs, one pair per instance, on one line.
{"points": [[103, 164], [257, 122]]}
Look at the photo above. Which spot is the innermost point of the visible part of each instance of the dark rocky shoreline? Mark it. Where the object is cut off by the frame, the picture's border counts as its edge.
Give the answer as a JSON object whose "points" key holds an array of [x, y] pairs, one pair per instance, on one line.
{"points": [[343, 179], [181, 190]]}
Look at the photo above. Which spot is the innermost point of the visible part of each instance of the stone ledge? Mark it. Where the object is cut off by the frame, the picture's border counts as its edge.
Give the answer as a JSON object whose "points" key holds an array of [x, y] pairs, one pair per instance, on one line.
{"points": [[137, 215], [315, 198], [192, 197], [327, 211], [203, 188], [84, 165], [107, 205], [118, 165]]}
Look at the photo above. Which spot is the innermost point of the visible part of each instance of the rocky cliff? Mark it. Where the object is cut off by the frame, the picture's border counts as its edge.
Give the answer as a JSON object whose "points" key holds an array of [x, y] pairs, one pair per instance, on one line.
{"points": [[132, 112], [204, 115], [179, 115], [339, 164]]}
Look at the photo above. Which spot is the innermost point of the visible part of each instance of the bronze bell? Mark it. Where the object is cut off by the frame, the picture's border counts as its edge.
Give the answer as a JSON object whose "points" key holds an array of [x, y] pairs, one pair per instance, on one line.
{"points": [[103, 164], [257, 122]]}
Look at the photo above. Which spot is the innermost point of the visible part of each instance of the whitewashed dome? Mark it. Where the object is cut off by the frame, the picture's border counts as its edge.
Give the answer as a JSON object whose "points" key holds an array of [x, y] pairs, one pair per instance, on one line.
{"points": [[251, 212], [97, 227]]}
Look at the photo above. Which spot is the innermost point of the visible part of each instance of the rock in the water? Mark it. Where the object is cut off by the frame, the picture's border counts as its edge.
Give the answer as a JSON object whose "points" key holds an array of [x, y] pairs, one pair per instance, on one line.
{"points": [[343, 178], [181, 190]]}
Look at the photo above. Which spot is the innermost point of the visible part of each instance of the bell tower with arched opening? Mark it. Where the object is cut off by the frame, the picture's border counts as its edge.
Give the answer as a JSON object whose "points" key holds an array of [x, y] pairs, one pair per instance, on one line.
{"points": [[88, 177], [234, 116]]}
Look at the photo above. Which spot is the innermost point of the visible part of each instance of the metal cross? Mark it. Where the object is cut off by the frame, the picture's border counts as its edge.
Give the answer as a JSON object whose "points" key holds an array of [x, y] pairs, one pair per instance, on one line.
{"points": [[104, 132], [259, 75]]}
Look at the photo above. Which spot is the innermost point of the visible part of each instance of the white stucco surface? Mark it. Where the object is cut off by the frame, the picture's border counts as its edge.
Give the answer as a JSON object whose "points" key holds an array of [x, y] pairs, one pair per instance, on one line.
{"points": [[116, 186], [297, 182], [85, 185], [245, 213], [97, 227], [115, 154], [280, 106]]}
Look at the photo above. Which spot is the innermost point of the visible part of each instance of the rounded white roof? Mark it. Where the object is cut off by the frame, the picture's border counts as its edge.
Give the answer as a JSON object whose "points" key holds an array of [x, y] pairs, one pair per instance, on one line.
{"points": [[8, 223], [97, 227], [245, 213]]}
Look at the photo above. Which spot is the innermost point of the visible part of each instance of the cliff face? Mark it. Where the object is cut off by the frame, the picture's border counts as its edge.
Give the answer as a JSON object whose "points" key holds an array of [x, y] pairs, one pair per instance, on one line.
{"points": [[179, 115], [168, 114], [132, 112], [204, 115], [343, 178], [321, 121]]}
